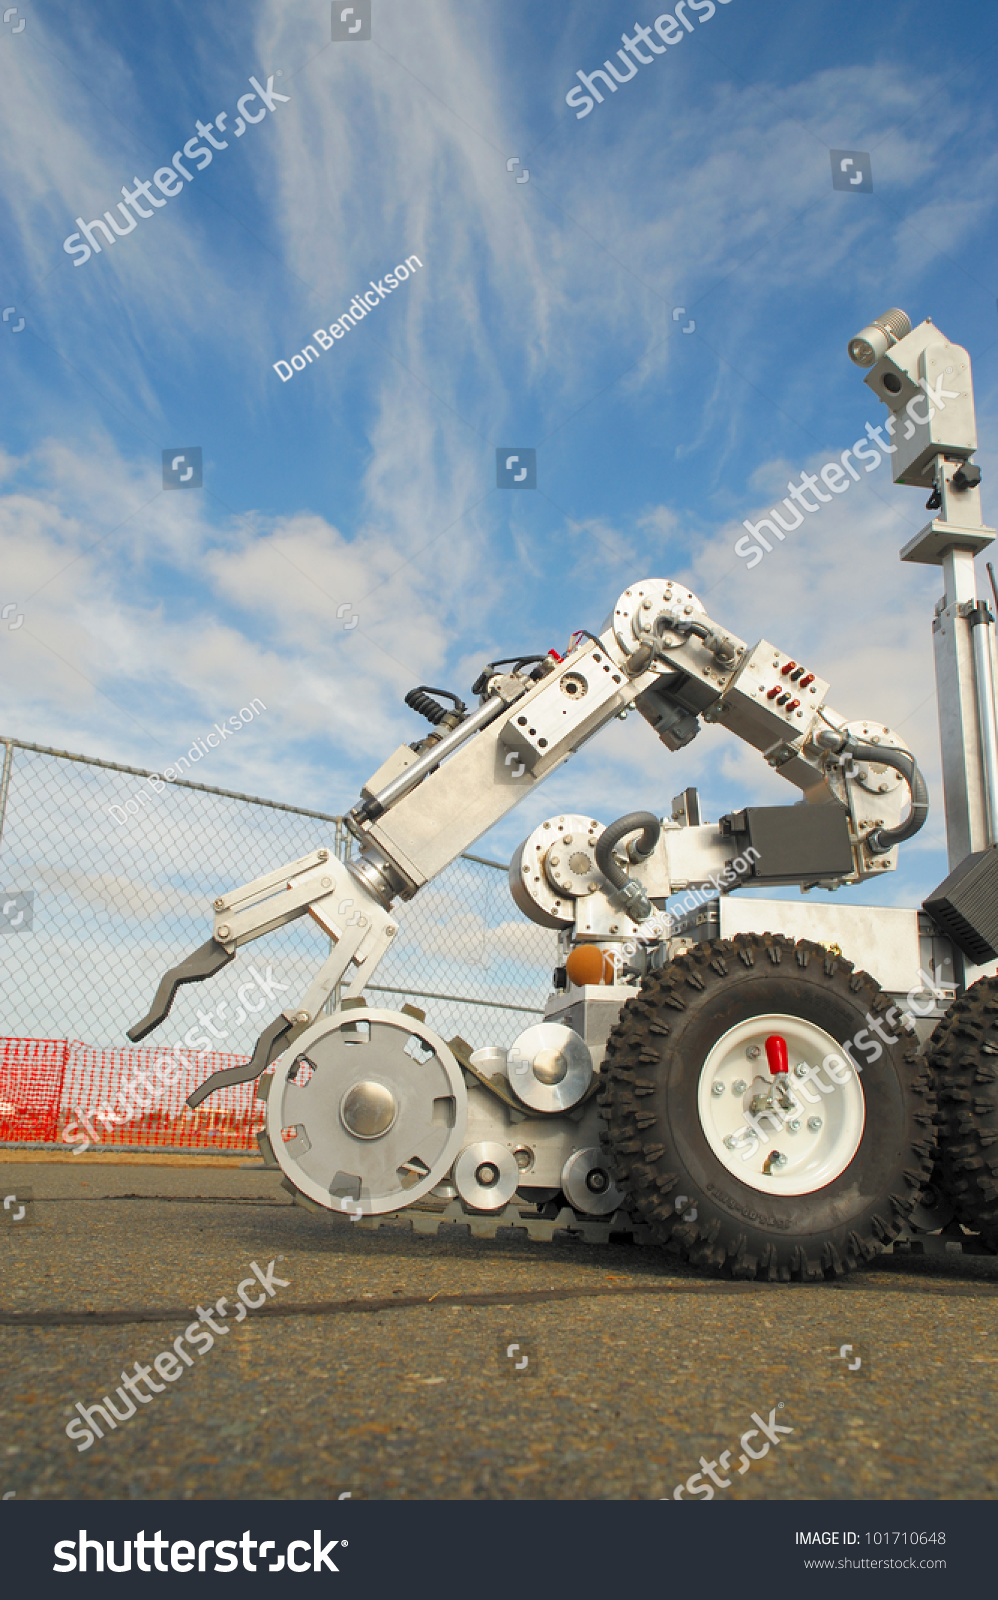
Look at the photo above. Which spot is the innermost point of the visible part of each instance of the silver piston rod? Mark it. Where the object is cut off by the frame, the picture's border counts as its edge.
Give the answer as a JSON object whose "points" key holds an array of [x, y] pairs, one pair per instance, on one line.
{"points": [[981, 622], [371, 809]]}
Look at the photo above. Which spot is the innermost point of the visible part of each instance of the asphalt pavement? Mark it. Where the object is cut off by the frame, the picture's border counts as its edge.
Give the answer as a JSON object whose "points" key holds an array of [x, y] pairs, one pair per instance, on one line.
{"points": [[393, 1365]]}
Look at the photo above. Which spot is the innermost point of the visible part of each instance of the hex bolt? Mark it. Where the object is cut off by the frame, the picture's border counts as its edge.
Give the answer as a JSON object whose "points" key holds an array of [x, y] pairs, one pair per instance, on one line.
{"points": [[753, 1052], [718, 1089], [391, 930], [223, 932], [301, 1016], [218, 904], [739, 1086], [800, 1070], [793, 1126], [814, 1124], [323, 855]]}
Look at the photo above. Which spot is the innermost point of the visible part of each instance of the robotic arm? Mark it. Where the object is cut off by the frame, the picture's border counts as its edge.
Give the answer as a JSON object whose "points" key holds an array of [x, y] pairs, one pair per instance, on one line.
{"points": [[658, 651]]}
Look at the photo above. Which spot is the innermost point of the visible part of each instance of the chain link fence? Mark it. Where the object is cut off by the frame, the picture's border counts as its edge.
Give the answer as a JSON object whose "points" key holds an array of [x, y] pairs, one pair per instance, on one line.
{"points": [[106, 881]]}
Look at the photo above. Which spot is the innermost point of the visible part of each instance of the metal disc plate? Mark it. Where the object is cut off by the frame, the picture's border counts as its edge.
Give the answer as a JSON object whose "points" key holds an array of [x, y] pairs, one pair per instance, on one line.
{"points": [[873, 777], [637, 611], [549, 1067], [541, 881], [367, 1111], [486, 1175], [588, 1185]]}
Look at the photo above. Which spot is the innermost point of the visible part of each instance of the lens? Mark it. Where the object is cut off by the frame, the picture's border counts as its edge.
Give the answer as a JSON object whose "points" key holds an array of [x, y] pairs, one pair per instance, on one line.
{"points": [[862, 352], [876, 338]]}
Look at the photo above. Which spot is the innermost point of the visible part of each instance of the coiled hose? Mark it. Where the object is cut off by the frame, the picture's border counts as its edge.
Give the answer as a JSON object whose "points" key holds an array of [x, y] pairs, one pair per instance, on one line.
{"points": [[618, 830], [419, 700]]}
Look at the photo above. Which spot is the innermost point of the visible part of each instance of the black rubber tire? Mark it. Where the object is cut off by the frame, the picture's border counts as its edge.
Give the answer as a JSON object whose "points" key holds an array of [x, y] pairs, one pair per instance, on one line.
{"points": [[963, 1053], [658, 1148]]}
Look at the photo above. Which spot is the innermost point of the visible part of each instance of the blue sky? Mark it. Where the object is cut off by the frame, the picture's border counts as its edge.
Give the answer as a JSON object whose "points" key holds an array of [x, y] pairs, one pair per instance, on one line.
{"points": [[542, 316]]}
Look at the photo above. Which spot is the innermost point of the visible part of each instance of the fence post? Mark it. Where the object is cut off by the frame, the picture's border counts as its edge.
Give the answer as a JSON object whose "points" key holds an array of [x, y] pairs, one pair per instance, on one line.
{"points": [[8, 762], [333, 1003]]}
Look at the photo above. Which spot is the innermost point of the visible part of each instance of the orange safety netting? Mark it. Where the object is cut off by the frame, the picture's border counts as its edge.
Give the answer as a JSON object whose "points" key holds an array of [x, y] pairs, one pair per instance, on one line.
{"points": [[57, 1091]]}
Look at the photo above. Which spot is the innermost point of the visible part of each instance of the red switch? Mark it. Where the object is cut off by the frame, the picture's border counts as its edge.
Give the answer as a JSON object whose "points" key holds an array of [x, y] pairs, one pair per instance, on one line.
{"points": [[776, 1053]]}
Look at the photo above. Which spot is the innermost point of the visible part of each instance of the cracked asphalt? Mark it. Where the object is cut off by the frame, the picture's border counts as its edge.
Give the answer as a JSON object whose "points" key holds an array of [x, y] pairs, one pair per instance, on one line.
{"points": [[380, 1370]]}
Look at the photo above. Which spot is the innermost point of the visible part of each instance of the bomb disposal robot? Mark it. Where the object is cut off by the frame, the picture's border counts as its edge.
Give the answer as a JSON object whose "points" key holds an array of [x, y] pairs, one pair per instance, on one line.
{"points": [[770, 1103]]}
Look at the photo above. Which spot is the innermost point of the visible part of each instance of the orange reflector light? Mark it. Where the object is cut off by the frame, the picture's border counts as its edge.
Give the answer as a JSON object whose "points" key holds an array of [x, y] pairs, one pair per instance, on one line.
{"points": [[589, 964]]}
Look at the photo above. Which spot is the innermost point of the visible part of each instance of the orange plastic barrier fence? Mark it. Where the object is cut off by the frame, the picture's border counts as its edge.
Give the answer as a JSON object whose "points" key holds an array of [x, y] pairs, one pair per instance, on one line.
{"points": [[85, 1096]]}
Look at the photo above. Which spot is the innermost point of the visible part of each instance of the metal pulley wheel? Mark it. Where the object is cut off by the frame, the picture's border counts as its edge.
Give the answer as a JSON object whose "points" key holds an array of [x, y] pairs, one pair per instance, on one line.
{"points": [[549, 1067], [588, 1184], [367, 1111], [486, 1176]]}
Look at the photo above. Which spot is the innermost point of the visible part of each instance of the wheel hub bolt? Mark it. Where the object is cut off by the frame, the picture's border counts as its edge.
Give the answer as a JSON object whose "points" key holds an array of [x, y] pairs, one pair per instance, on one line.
{"points": [[753, 1052], [487, 1174], [793, 1126], [739, 1086], [718, 1089], [800, 1070], [814, 1124]]}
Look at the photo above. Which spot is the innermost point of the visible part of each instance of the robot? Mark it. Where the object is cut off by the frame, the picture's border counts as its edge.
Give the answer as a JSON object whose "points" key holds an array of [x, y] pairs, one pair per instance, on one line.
{"points": [[765, 1088]]}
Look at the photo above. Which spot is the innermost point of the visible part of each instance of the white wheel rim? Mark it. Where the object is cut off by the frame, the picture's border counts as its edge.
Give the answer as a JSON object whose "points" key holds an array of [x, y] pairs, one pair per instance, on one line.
{"points": [[813, 1156]]}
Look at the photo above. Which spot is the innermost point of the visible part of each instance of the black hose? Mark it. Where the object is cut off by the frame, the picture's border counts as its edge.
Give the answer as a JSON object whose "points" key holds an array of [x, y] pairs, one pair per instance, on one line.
{"points": [[419, 700], [516, 662], [612, 836], [883, 839]]}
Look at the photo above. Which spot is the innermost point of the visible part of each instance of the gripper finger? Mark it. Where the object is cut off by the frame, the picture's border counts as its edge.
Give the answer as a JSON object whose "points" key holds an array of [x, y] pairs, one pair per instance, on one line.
{"points": [[206, 960], [268, 1046]]}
